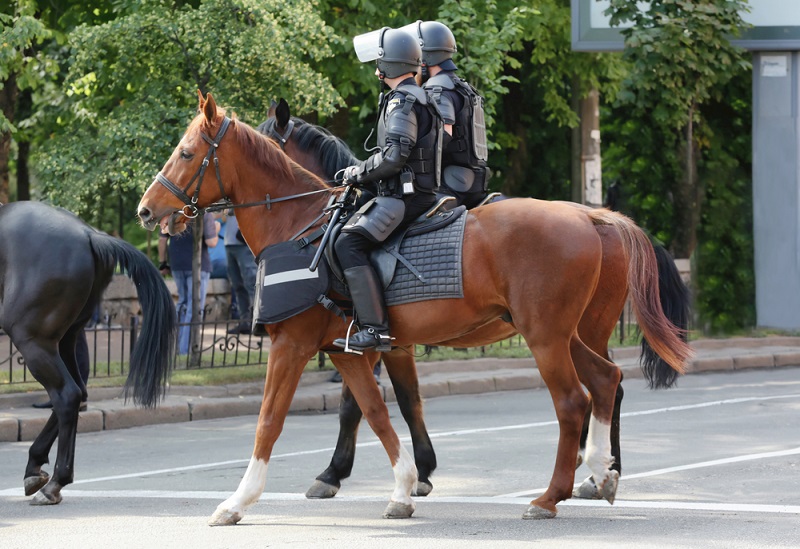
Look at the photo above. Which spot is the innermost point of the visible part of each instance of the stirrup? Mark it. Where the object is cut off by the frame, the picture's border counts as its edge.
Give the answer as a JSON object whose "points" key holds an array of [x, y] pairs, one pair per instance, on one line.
{"points": [[347, 348]]}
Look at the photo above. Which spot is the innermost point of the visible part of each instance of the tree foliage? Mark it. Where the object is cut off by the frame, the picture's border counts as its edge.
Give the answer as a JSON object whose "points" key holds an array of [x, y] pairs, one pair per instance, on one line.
{"points": [[132, 80], [680, 58]]}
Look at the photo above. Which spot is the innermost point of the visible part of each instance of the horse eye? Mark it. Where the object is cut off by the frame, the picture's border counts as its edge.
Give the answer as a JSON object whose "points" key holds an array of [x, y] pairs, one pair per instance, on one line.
{"points": [[186, 155]]}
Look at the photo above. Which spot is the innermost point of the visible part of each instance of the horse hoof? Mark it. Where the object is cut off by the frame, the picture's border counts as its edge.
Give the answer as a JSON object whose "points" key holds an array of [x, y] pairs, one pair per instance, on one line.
{"points": [[321, 490], [34, 484], [609, 490], [535, 512], [587, 490], [422, 489], [224, 517], [397, 510], [43, 498], [579, 461]]}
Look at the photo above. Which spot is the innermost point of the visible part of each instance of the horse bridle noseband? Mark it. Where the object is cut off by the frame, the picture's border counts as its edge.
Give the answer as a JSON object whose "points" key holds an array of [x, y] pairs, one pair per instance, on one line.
{"points": [[191, 203]]}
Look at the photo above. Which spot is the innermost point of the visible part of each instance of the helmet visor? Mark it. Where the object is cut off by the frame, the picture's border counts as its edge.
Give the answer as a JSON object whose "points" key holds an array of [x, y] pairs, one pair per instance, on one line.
{"points": [[368, 45], [412, 29]]}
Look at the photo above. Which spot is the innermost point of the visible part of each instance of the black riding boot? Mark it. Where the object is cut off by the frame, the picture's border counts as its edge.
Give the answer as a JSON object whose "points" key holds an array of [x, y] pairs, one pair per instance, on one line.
{"points": [[367, 294]]}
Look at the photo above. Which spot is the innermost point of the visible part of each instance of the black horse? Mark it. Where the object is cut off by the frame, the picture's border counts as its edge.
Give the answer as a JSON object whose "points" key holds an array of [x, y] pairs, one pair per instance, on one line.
{"points": [[53, 271]]}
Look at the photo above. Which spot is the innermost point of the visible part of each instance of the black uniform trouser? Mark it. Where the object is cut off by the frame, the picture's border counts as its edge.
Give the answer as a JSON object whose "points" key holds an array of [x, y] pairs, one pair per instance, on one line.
{"points": [[352, 248]]}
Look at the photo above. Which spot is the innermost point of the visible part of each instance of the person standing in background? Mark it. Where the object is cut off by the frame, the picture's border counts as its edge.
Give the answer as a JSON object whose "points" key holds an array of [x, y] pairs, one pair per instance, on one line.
{"points": [[178, 249], [241, 274]]}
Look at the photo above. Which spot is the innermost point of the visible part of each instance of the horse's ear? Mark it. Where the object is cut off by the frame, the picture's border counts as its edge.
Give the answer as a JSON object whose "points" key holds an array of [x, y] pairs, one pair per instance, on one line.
{"points": [[210, 108], [282, 113], [200, 100], [271, 111]]}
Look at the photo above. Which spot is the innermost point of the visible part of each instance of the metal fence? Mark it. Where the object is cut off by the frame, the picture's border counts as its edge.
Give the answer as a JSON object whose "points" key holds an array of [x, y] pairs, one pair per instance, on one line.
{"points": [[110, 345]]}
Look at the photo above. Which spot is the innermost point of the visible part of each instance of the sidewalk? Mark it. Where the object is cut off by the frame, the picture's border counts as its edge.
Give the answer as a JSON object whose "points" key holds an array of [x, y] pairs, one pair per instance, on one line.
{"points": [[107, 410]]}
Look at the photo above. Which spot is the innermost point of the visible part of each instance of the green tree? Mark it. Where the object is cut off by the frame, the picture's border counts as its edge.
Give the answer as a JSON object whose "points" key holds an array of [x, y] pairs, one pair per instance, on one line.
{"points": [[132, 80], [680, 58]]}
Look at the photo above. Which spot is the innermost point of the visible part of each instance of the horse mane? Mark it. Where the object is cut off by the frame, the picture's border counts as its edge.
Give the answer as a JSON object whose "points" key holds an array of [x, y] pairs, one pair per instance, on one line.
{"points": [[333, 153]]}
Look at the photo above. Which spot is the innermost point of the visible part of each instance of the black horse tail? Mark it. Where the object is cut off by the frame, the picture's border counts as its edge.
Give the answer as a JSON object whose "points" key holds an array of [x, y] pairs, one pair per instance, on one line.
{"points": [[153, 356], [675, 302]]}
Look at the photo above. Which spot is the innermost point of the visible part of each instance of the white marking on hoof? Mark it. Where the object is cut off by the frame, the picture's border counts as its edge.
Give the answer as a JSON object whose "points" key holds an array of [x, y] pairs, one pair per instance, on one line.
{"points": [[422, 489], [598, 451], [321, 490], [609, 489], [224, 517], [43, 498], [536, 513], [250, 489], [587, 490], [405, 478], [397, 510]]}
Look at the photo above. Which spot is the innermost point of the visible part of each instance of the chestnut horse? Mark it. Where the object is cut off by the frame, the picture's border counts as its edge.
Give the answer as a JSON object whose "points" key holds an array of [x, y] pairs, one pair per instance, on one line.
{"points": [[536, 263], [324, 154]]}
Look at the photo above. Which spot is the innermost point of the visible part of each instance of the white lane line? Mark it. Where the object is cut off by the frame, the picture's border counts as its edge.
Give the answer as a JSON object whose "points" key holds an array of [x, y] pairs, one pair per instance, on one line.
{"points": [[339, 500], [443, 434], [666, 470]]}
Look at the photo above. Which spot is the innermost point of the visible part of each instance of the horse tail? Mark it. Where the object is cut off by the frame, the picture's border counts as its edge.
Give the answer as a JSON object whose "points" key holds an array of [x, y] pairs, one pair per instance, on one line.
{"points": [[674, 296], [662, 313], [153, 356]]}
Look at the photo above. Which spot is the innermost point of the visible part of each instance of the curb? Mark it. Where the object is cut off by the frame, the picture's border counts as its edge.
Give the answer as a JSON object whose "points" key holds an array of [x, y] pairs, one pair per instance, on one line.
{"points": [[436, 379]]}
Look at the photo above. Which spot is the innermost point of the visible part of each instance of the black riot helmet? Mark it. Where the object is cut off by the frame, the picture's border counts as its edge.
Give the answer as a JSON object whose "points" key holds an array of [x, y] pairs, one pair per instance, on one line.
{"points": [[396, 52], [437, 42]]}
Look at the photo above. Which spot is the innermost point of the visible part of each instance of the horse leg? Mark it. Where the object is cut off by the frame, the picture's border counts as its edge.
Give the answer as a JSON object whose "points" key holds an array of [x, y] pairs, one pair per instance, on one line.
{"points": [[570, 401], [48, 368], [602, 378], [284, 368], [402, 369], [328, 482], [357, 373], [403, 373], [38, 455], [588, 489]]}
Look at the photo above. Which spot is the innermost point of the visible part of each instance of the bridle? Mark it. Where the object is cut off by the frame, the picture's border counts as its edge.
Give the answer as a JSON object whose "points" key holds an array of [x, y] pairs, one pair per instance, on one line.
{"points": [[190, 209], [282, 139]]}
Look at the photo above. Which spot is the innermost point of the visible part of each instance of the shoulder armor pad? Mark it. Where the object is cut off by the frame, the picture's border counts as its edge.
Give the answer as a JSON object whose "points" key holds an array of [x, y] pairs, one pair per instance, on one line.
{"points": [[418, 93], [442, 80]]}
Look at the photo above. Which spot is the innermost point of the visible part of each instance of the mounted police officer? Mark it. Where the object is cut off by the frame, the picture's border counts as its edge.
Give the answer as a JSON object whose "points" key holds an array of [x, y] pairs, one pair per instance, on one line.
{"points": [[464, 171], [403, 174]]}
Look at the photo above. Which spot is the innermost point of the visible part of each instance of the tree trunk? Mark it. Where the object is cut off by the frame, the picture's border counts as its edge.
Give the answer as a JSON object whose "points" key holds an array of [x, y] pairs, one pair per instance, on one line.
{"points": [[688, 195], [575, 154], [195, 343], [8, 103], [24, 110], [591, 167]]}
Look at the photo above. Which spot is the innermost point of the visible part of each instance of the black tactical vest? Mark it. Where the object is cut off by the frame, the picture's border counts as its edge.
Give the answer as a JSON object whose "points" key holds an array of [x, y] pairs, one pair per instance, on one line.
{"points": [[425, 157], [468, 146]]}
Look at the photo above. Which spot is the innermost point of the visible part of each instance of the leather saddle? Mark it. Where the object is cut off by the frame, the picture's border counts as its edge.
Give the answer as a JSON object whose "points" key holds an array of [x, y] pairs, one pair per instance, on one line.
{"points": [[384, 258]]}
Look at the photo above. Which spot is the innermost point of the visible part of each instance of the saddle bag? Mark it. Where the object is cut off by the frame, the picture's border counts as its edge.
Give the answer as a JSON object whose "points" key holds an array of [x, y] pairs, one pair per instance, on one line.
{"points": [[284, 285]]}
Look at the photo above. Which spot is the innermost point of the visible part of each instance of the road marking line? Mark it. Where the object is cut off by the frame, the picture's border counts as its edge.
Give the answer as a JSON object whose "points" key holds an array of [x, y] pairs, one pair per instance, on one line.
{"points": [[505, 500], [443, 434], [687, 467]]}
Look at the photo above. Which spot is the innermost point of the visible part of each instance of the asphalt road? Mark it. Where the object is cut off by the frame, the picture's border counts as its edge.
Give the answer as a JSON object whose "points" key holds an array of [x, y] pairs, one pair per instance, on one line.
{"points": [[713, 463]]}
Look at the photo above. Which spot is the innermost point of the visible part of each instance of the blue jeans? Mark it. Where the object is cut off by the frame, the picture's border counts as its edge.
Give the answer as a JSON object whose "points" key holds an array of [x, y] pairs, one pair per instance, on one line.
{"points": [[242, 276], [183, 280]]}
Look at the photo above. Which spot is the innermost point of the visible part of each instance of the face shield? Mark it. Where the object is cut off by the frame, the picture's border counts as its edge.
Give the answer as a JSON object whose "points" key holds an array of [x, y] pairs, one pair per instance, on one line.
{"points": [[414, 30], [369, 46]]}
